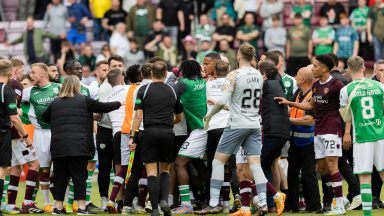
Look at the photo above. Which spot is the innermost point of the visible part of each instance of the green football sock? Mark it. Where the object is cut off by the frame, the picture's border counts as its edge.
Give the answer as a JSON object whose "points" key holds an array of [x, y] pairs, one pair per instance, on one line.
{"points": [[366, 197]]}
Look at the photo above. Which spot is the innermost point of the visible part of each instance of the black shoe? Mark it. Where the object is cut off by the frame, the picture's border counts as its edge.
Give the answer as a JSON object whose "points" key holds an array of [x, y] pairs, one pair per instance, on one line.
{"points": [[57, 211], [380, 204], [91, 207], [165, 208], [155, 212], [327, 207], [85, 212]]}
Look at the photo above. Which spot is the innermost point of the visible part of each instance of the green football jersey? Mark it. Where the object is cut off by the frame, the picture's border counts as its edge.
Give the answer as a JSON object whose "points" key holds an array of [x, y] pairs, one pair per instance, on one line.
{"points": [[83, 89], [367, 109], [194, 100], [359, 16], [289, 86], [323, 33], [35, 101]]}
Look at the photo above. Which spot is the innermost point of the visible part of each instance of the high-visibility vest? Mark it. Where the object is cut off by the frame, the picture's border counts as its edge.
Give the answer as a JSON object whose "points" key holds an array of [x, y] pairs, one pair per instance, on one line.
{"points": [[301, 135]]}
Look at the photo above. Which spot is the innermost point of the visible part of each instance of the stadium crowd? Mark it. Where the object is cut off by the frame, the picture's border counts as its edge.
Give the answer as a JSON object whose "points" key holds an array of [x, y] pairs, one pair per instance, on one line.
{"points": [[180, 104]]}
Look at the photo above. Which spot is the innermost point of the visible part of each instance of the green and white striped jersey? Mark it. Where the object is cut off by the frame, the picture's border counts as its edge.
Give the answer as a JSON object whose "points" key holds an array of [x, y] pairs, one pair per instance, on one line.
{"points": [[35, 101]]}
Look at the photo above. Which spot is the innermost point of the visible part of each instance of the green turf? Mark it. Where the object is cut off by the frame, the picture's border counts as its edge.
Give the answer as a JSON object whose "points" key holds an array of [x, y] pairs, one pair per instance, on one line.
{"points": [[96, 201]]}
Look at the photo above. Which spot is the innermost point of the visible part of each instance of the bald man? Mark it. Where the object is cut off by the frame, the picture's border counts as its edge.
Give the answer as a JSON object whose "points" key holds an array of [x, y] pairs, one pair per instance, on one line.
{"points": [[301, 154]]}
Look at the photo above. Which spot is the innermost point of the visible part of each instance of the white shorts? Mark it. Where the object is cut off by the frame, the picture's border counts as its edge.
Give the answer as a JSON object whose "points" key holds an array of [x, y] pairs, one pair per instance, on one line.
{"points": [[94, 159], [241, 157], [367, 154], [42, 144], [284, 151], [21, 154], [328, 145], [195, 146], [124, 149]]}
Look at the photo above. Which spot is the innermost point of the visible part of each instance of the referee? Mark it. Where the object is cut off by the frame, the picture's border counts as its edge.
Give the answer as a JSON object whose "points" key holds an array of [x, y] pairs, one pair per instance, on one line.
{"points": [[8, 117], [156, 103]]}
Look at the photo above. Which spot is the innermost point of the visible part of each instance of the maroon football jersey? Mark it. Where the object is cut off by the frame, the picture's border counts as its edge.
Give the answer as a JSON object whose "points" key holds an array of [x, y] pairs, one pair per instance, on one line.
{"points": [[327, 117], [18, 87]]}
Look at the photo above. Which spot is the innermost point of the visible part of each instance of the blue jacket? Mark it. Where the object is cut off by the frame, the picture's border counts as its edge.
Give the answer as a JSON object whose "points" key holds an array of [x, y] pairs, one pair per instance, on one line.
{"points": [[79, 11]]}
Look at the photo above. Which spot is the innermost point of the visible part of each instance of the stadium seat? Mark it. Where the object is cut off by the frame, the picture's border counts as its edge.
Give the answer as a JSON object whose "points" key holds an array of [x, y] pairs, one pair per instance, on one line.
{"points": [[17, 26]]}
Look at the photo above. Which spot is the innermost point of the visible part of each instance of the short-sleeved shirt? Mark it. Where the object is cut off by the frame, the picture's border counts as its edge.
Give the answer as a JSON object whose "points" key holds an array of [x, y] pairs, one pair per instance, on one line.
{"points": [[115, 17], [346, 37], [170, 9], [8, 105], [118, 93], [297, 9], [299, 36], [249, 29], [18, 88], [290, 85], [326, 97], [359, 16], [366, 108], [159, 103], [214, 92], [324, 33]]}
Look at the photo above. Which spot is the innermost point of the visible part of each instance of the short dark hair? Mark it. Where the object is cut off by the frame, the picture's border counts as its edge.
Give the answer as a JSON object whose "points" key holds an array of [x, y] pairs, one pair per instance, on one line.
{"points": [[213, 55], [146, 70], [134, 74], [191, 69], [326, 60], [298, 16], [69, 65], [26, 76], [279, 53], [334, 58], [269, 69], [272, 56], [113, 76], [101, 63], [17, 62], [275, 17], [116, 58], [159, 69], [155, 59], [222, 68]]}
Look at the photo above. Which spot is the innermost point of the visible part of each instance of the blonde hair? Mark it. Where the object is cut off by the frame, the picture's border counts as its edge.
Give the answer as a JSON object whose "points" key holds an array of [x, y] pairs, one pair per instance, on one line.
{"points": [[43, 66], [71, 87], [5, 67], [247, 51], [355, 64]]}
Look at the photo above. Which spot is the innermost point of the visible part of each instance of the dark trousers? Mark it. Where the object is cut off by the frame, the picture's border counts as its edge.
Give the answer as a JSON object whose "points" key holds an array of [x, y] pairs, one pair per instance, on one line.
{"points": [[132, 189], [56, 48], [377, 184], [303, 159], [104, 144], [65, 168], [295, 63]]}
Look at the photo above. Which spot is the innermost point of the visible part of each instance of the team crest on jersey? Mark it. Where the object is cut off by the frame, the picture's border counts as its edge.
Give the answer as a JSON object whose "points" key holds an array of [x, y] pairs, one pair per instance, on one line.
{"points": [[326, 90], [287, 84], [56, 90], [102, 146], [138, 101]]}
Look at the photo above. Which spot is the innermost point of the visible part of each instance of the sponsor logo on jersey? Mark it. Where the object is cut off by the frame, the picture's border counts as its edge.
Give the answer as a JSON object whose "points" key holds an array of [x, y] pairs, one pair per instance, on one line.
{"points": [[12, 106], [287, 84]]}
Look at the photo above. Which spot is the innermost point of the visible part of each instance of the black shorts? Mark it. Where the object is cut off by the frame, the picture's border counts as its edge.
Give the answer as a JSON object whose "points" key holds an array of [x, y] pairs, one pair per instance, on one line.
{"points": [[158, 145], [104, 142], [179, 141], [117, 148], [271, 149], [5, 147]]}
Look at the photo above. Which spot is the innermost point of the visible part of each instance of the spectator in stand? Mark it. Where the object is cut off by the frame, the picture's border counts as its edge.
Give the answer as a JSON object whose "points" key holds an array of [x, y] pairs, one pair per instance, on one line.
{"points": [[205, 47], [299, 46], [66, 54], [104, 54], [135, 55], [220, 8], [275, 37], [33, 39], [375, 29], [112, 17], [346, 40], [248, 32], [78, 16], [98, 9], [226, 50], [323, 37], [154, 39], [167, 50], [118, 42], [243, 6], [226, 31], [189, 48], [204, 29], [87, 76], [268, 9], [88, 58], [167, 11], [188, 9], [139, 21], [55, 18], [359, 18], [332, 9], [26, 9], [304, 9]]}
